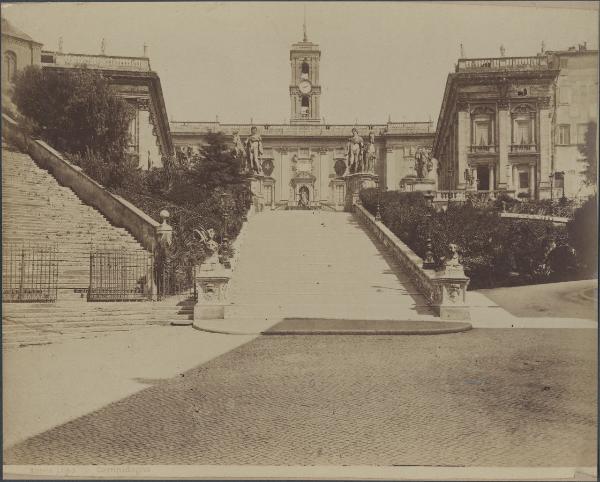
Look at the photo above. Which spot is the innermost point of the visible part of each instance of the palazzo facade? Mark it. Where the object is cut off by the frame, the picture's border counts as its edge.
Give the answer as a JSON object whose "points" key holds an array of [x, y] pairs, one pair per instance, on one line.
{"points": [[509, 123], [308, 156]]}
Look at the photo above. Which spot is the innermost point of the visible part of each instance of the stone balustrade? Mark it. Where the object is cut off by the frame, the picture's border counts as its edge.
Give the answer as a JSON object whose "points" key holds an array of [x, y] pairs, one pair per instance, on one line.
{"points": [[502, 63], [104, 62], [445, 291], [321, 130]]}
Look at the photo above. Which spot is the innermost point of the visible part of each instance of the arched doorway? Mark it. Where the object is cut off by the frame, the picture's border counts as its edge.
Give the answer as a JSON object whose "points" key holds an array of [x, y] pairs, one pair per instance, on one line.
{"points": [[304, 197]]}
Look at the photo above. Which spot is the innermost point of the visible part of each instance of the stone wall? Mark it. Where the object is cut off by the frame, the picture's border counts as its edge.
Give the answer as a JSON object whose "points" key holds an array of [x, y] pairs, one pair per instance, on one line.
{"points": [[445, 292]]}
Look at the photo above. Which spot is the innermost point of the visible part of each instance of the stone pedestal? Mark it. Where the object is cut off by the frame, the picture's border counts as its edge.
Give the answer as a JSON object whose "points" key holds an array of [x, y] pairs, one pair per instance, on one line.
{"points": [[338, 193], [212, 281], [268, 191], [355, 183], [411, 184], [450, 295], [256, 187]]}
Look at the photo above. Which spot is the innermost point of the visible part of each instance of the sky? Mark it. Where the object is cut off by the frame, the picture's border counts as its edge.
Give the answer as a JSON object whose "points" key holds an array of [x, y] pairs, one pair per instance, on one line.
{"points": [[378, 59]]}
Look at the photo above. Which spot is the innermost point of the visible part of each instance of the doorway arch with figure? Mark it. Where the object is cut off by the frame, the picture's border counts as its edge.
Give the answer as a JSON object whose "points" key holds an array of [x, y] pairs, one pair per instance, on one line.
{"points": [[303, 197]]}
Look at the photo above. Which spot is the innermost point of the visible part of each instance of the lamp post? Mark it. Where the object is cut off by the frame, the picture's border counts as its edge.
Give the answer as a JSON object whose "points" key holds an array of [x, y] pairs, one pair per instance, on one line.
{"points": [[551, 188], [378, 213], [225, 197], [429, 262], [562, 175]]}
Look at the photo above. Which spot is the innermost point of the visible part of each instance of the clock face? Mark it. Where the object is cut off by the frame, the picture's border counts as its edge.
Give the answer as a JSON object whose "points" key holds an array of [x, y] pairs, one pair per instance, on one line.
{"points": [[304, 86]]}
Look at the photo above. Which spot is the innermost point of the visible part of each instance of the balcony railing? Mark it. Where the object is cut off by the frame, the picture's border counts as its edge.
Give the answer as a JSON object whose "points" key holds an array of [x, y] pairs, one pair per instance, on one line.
{"points": [[479, 149], [502, 63], [516, 148]]}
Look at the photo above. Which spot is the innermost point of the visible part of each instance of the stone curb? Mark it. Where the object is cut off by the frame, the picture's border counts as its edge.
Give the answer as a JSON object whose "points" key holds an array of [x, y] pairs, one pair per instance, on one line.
{"points": [[456, 328]]}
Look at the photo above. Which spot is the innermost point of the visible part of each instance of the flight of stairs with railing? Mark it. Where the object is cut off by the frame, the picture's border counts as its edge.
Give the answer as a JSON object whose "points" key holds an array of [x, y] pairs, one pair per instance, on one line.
{"points": [[38, 214]]}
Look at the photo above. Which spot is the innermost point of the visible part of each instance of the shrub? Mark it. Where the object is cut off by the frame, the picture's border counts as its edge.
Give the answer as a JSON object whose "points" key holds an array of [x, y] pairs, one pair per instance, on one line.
{"points": [[492, 249], [583, 236]]}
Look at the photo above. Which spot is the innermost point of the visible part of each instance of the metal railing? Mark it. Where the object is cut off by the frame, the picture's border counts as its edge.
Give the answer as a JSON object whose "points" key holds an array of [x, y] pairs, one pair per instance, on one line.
{"points": [[120, 275], [29, 273]]}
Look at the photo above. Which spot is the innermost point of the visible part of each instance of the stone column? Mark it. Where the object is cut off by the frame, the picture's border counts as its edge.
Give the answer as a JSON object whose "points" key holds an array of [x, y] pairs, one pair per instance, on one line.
{"points": [[492, 167], [463, 144], [503, 143], [531, 181], [545, 149], [475, 179]]}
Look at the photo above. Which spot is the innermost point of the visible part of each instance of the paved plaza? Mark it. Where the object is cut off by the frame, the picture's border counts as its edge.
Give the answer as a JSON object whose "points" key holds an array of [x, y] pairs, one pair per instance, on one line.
{"points": [[479, 398]]}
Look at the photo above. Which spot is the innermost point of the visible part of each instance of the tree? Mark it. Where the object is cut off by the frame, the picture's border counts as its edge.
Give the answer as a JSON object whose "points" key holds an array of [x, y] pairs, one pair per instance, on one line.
{"points": [[583, 235], [589, 153], [76, 112]]}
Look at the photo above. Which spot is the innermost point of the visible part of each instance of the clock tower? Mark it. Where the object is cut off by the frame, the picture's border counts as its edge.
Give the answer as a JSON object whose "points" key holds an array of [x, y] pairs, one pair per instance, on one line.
{"points": [[305, 90]]}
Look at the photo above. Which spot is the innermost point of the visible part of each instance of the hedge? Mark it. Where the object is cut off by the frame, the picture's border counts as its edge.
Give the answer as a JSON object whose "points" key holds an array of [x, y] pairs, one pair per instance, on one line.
{"points": [[495, 251]]}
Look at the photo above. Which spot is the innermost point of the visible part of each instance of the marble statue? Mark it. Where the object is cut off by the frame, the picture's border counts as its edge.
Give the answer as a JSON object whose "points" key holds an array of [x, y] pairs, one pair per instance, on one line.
{"points": [[371, 153], [207, 236], [423, 163], [254, 151], [238, 145], [355, 150]]}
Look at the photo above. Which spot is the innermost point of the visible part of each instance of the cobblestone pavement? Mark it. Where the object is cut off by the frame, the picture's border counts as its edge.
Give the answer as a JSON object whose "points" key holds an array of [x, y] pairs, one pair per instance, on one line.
{"points": [[479, 398]]}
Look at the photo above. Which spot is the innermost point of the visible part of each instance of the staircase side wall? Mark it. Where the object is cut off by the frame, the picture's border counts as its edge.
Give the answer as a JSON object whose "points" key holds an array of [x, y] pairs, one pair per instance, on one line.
{"points": [[117, 210]]}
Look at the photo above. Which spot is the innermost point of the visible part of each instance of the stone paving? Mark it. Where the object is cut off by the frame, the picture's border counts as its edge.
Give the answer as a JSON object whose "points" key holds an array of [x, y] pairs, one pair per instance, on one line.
{"points": [[479, 398]]}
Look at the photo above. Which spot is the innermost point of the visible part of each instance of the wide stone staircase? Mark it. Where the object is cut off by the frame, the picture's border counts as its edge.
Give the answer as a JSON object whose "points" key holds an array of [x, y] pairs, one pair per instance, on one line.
{"points": [[37, 211], [318, 264]]}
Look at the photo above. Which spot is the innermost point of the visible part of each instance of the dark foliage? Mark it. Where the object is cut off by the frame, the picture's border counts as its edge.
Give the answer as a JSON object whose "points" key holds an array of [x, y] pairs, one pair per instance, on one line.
{"points": [[76, 112], [494, 251], [583, 236]]}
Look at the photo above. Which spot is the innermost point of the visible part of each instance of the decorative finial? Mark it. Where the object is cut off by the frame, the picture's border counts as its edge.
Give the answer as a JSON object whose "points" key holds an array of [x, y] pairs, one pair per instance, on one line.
{"points": [[462, 51], [305, 38], [502, 50], [103, 47], [60, 44], [543, 46], [389, 118], [145, 50]]}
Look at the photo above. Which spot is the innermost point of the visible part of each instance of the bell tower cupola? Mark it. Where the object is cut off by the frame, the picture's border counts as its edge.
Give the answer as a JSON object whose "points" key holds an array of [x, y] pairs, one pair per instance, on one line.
{"points": [[305, 89]]}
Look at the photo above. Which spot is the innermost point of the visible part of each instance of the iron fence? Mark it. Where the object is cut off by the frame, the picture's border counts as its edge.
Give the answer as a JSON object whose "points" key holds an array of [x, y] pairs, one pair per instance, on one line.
{"points": [[29, 273], [177, 280], [120, 275]]}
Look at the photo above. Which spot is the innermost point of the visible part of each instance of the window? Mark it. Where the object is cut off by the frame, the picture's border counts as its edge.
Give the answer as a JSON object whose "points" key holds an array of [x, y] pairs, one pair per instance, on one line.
{"points": [[564, 95], [581, 131], [523, 180], [304, 104], [564, 134], [10, 65], [522, 131], [482, 132], [304, 70]]}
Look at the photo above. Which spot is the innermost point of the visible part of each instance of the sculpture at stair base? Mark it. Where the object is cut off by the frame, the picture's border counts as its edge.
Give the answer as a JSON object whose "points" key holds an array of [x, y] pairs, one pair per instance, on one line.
{"points": [[212, 280]]}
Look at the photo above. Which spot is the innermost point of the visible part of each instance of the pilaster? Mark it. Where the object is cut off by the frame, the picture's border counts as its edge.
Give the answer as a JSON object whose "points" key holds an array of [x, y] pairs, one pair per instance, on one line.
{"points": [[463, 143], [504, 173], [545, 149]]}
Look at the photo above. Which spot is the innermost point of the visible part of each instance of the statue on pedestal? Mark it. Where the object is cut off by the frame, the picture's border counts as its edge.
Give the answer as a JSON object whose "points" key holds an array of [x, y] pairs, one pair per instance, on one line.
{"points": [[254, 151], [371, 154], [355, 151], [238, 146], [207, 238]]}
